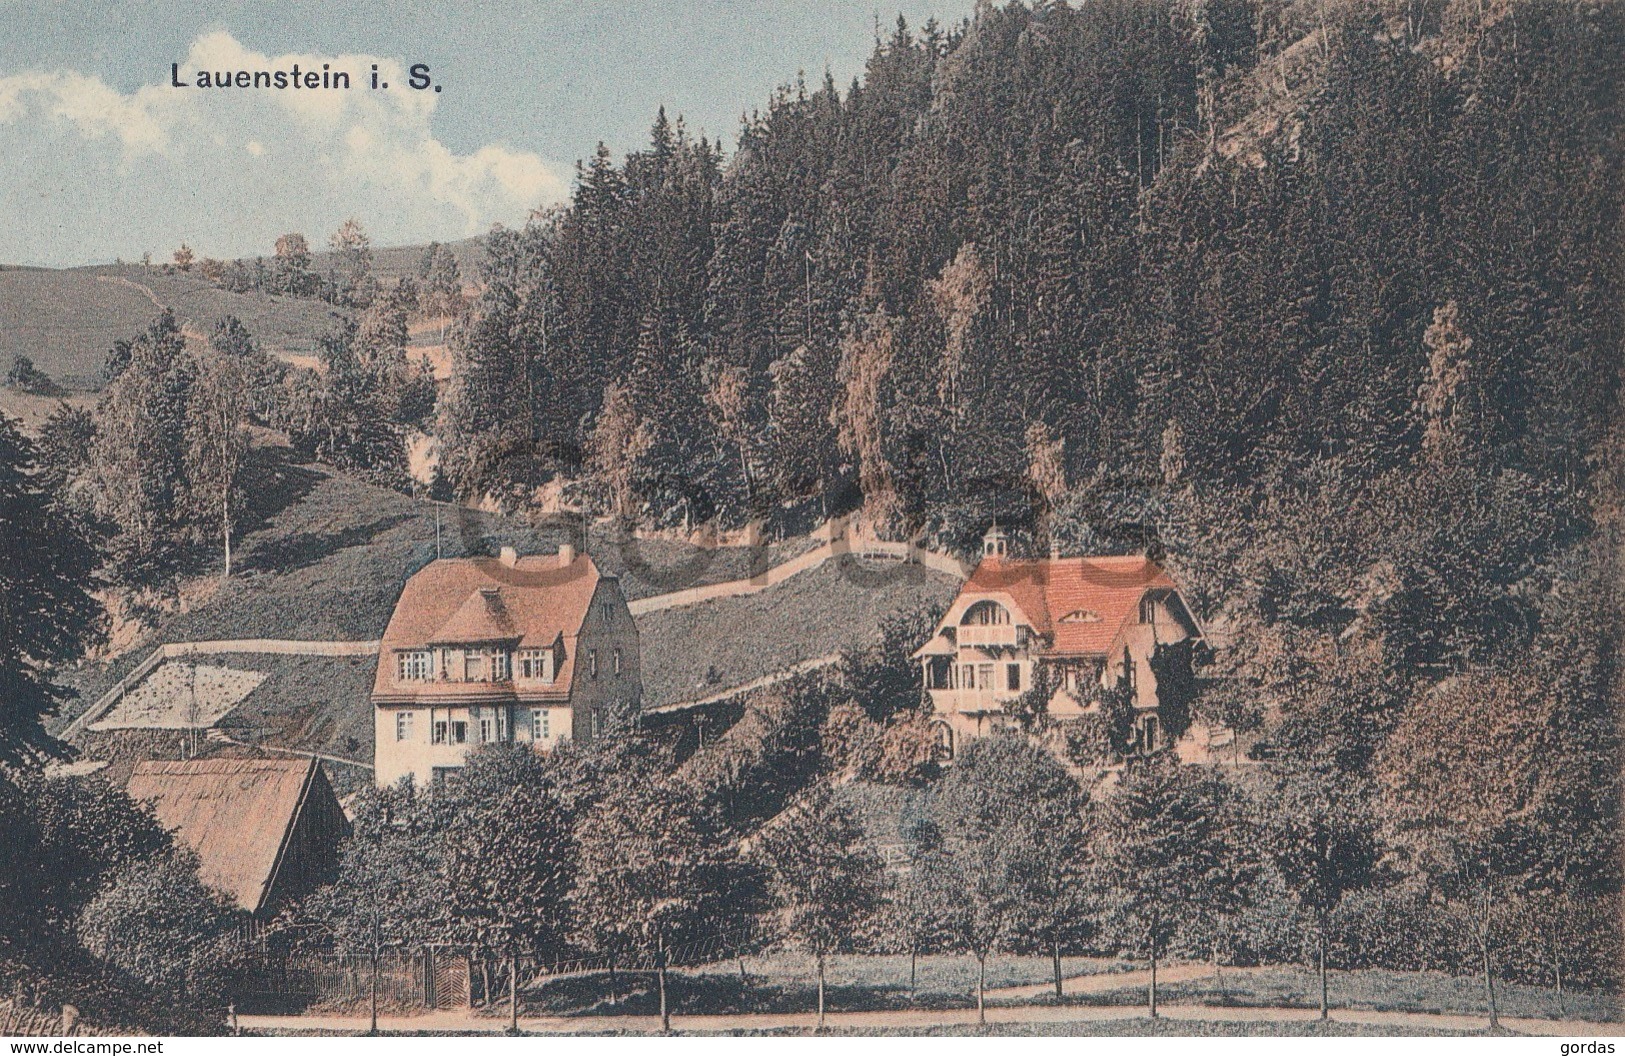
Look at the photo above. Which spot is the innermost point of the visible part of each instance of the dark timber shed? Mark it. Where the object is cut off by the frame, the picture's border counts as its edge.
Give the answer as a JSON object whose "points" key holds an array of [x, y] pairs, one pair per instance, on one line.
{"points": [[266, 831]]}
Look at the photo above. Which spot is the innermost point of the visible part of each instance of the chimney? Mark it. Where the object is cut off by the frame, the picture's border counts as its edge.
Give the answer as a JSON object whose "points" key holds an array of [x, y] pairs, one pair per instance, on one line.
{"points": [[567, 554], [510, 556]]}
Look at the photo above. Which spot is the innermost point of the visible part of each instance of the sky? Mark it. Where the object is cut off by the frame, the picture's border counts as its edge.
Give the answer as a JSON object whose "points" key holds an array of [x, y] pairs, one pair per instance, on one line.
{"points": [[101, 158]]}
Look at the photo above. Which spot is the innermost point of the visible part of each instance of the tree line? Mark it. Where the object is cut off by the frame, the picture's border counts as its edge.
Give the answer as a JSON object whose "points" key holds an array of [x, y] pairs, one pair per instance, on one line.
{"points": [[624, 860]]}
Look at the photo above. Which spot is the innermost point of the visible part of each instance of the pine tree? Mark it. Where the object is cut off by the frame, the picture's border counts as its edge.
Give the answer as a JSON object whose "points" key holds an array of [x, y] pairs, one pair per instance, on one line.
{"points": [[47, 614]]}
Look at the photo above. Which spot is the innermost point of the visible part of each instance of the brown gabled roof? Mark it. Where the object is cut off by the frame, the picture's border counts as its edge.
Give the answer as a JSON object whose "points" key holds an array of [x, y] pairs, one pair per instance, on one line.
{"points": [[482, 618], [235, 813], [1079, 603], [532, 603]]}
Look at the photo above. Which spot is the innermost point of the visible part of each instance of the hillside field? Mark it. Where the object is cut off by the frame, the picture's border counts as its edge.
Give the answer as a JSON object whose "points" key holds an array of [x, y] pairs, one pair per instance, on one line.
{"points": [[66, 320]]}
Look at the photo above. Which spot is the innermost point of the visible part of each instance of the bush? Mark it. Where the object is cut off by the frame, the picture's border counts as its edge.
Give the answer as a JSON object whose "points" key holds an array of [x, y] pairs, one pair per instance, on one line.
{"points": [[157, 924], [25, 377]]}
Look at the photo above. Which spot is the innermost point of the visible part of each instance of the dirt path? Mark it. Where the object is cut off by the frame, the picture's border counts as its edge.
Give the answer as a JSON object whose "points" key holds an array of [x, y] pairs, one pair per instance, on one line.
{"points": [[842, 539], [731, 692], [904, 1019], [1104, 981]]}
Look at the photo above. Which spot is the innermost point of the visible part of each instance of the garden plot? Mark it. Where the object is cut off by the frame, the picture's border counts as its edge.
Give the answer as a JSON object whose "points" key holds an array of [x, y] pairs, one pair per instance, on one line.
{"points": [[181, 696]]}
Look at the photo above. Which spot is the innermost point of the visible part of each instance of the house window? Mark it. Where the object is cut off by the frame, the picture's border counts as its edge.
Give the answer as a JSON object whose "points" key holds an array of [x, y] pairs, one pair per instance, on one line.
{"points": [[592, 663], [471, 666], [536, 665], [440, 732], [1148, 609], [413, 666], [501, 666], [1128, 671], [984, 676], [615, 661], [403, 725], [1012, 675], [459, 733], [1148, 734], [502, 724], [485, 732], [606, 612], [596, 722], [540, 720], [986, 614], [967, 676]]}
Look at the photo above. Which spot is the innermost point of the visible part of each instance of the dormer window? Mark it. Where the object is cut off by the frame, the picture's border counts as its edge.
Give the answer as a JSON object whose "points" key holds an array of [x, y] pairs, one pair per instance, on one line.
{"points": [[414, 665], [536, 665], [1081, 616], [1148, 609]]}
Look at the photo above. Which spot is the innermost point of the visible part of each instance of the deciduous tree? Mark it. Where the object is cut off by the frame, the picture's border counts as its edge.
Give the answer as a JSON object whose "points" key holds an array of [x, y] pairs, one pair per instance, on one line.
{"points": [[823, 877]]}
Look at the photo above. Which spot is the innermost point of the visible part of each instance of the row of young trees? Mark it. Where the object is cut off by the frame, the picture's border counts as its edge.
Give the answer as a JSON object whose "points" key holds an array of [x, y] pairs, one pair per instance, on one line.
{"points": [[611, 857]]}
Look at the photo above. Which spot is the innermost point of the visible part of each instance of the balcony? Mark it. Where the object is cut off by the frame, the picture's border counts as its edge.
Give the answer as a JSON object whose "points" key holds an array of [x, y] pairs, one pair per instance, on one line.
{"points": [[969, 701], [1005, 635]]}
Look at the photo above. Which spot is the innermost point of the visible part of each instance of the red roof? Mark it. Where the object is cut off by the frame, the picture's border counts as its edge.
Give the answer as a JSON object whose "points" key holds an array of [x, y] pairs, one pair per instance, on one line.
{"points": [[1080, 603], [531, 603], [235, 813], [482, 618]]}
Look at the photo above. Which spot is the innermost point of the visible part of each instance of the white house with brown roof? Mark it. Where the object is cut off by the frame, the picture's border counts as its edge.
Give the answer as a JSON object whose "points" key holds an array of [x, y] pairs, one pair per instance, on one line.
{"points": [[1073, 624], [481, 650]]}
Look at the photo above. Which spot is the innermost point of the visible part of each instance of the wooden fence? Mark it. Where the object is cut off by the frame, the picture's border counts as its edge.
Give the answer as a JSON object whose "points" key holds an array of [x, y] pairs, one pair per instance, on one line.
{"points": [[425, 977]]}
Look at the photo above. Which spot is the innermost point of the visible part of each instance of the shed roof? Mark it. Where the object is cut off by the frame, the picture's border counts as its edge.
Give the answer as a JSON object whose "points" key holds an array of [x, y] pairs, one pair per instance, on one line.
{"points": [[235, 813]]}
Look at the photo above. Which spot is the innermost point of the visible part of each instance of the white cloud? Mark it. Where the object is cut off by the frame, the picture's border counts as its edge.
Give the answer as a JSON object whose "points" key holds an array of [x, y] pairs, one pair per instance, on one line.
{"points": [[93, 173]]}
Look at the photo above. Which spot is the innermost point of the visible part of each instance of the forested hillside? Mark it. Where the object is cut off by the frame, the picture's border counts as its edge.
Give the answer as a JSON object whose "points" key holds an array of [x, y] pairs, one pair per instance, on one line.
{"points": [[1112, 250], [1318, 302]]}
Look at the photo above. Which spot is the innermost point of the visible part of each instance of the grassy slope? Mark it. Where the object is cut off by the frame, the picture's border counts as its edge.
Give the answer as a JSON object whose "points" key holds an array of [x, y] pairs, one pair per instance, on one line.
{"points": [[65, 321], [326, 558], [810, 615]]}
